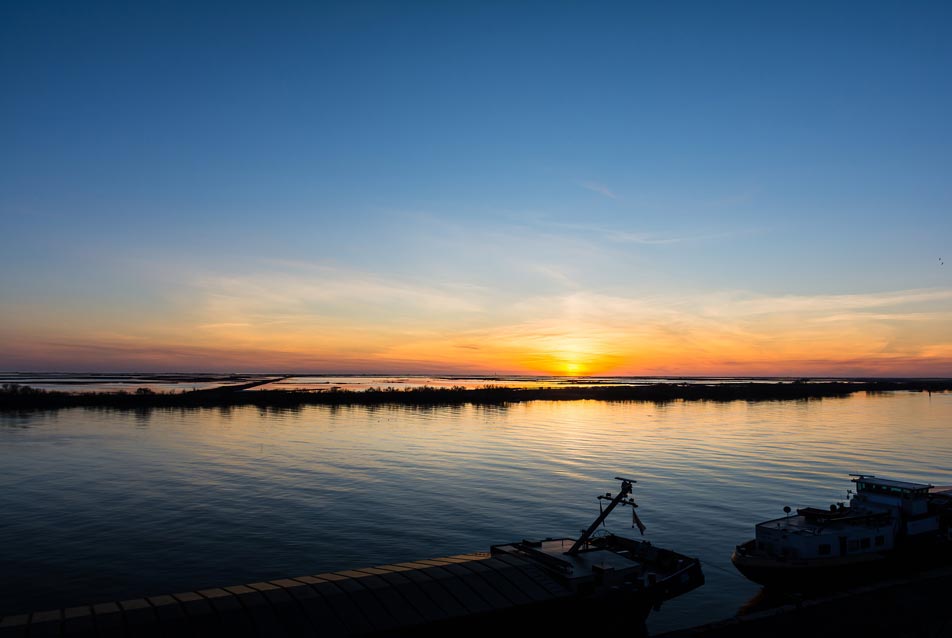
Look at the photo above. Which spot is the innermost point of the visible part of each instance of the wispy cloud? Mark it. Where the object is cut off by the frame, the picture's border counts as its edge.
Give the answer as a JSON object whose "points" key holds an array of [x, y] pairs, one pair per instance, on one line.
{"points": [[303, 290], [233, 324], [598, 187], [745, 304], [658, 239], [893, 316], [554, 273], [623, 236]]}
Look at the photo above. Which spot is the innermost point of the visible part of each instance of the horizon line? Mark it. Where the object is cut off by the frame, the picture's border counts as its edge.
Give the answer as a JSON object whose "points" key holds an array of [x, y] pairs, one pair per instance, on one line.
{"points": [[461, 375]]}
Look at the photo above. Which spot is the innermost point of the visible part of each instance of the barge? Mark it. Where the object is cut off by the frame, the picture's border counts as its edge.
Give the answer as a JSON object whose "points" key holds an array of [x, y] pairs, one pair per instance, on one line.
{"points": [[593, 581], [889, 525]]}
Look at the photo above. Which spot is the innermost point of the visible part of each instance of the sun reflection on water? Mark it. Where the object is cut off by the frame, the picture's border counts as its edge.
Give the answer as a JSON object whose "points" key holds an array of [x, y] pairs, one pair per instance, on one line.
{"points": [[193, 498]]}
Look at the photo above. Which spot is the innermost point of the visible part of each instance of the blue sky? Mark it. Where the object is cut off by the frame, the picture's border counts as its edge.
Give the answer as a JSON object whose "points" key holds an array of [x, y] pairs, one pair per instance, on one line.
{"points": [[495, 153]]}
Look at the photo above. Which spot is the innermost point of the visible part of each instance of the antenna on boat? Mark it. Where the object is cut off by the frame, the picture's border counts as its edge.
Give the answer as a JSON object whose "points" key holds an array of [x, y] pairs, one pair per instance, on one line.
{"points": [[621, 498]]}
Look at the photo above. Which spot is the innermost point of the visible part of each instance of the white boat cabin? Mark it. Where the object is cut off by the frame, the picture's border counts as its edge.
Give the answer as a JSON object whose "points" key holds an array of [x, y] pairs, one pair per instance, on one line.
{"points": [[907, 502], [880, 511]]}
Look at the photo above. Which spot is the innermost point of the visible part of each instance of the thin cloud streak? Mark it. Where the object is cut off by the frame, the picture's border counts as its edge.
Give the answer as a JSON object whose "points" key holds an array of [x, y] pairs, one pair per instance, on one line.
{"points": [[597, 187], [621, 236], [722, 304]]}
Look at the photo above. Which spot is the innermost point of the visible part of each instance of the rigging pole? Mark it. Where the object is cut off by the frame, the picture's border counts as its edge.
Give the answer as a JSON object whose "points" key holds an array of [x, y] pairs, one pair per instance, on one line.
{"points": [[619, 498]]}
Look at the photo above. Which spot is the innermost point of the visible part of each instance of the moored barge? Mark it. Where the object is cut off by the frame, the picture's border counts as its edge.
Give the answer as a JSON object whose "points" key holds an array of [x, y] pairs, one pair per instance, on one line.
{"points": [[888, 525], [555, 584]]}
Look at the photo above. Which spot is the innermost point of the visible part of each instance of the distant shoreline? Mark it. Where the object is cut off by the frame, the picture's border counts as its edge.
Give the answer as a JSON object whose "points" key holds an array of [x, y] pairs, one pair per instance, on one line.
{"points": [[20, 397]]}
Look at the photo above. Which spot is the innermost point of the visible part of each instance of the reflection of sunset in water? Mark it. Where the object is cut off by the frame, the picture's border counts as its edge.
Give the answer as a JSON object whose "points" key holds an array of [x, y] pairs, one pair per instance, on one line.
{"points": [[245, 494]]}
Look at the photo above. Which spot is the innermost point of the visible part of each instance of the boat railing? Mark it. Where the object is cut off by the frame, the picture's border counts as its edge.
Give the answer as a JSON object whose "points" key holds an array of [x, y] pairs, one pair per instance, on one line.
{"points": [[846, 515]]}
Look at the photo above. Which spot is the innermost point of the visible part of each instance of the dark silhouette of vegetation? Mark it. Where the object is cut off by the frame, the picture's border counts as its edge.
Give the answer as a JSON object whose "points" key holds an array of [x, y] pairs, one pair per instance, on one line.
{"points": [[19, 390], [19, 397]]}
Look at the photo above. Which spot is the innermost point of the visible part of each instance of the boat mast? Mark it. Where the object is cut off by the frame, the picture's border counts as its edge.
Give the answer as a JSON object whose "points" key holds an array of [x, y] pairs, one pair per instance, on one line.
{"points": [[621, 497]]}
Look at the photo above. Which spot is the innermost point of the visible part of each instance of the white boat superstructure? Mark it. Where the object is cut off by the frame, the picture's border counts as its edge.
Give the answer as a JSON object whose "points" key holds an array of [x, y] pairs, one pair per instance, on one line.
{"points": [[883, 516]]}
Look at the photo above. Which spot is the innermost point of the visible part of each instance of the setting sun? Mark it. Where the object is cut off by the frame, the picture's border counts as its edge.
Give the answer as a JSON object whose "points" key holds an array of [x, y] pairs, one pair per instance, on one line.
{"points": [[574, 369]]}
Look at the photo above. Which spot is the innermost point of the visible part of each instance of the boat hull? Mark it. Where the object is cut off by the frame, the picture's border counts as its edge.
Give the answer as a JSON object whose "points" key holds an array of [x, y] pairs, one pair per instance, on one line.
{"points": [[811, 575]]}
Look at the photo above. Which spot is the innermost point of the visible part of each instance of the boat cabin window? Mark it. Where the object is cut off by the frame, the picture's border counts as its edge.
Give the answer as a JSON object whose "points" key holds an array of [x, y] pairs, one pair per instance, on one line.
{"points": [[880, 540], [864, 543], [862, 486], [825, 548], [854, 545]]}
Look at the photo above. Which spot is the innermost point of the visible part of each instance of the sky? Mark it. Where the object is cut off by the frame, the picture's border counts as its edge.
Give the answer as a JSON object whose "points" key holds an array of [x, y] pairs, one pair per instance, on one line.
{"points": [[570, 188]]}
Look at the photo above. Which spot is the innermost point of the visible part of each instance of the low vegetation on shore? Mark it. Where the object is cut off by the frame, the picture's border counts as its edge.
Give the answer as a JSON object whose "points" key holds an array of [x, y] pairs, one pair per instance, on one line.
{"points": [[19, 397]]}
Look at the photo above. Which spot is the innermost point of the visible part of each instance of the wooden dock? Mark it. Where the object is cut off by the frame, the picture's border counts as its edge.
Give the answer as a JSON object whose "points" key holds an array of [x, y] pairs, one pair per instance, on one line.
{"points": [[420, 597]]}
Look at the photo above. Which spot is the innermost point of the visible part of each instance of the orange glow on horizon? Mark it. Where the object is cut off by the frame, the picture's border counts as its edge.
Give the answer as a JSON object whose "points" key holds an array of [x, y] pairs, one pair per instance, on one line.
{"points": [[344, 350], [658, 362], [263, 326]]}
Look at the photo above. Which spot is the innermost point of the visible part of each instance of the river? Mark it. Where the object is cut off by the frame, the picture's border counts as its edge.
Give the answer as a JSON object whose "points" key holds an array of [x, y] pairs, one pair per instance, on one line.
{"points": [[101, 504]]}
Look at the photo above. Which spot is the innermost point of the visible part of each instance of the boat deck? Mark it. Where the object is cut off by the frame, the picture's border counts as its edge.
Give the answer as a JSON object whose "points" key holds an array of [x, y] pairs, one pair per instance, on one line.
{"points": [[398, 598], [577, 566], [812, 525]]}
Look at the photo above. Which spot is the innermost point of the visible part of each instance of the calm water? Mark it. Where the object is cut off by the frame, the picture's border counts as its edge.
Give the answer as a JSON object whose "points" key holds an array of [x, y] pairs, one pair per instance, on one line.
{"points": [[100, 505]]}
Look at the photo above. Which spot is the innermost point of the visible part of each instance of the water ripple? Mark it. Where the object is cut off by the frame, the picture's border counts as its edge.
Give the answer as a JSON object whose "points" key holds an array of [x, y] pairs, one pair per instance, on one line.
{"points": [[101, 504]]}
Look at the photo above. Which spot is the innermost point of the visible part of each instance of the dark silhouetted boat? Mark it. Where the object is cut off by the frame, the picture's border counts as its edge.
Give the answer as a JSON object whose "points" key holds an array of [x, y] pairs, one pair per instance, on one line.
{"points": [[554, 586], [612, 566], [889, 525]]}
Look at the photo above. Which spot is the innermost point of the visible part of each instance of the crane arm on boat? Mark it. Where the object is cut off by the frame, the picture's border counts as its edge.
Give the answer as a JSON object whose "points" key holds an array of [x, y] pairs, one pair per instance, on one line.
{"points": [[620, 499]]}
